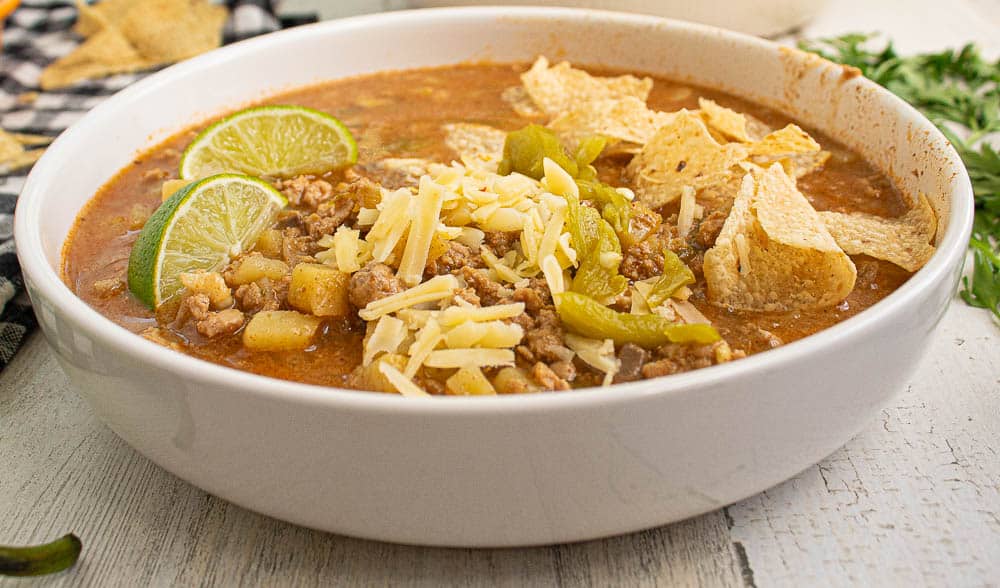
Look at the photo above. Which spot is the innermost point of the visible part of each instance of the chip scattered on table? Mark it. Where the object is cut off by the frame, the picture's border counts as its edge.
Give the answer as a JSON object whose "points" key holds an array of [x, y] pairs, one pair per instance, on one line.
{"points": [[127, 36], [13, 153], [774, 253], [904, 241]]}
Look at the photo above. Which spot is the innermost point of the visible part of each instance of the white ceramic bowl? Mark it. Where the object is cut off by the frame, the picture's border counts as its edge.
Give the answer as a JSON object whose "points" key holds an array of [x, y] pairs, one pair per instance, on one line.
{"points": [[757, 17], [510, 470]]}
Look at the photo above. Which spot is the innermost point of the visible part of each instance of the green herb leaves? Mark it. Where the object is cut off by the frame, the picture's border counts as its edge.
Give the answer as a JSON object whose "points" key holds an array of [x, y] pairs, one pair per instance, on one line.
{"points": [[958, 91]]}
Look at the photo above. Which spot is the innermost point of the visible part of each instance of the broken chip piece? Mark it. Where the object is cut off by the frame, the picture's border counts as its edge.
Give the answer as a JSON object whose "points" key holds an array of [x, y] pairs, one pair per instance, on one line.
{"points": [[682, 153], [559, 88], [474, 140], [127, 36], [791, 145], [730, 124], [904, 241], [14, 156], [774, 253], [627, 122]]}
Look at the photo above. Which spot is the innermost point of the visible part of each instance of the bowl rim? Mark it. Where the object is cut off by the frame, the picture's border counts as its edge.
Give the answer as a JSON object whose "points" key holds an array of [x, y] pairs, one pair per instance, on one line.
{"points": [[48, 282]]}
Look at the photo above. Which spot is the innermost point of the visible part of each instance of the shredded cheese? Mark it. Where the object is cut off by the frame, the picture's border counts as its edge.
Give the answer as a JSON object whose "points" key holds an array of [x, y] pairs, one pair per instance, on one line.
{"points": [[393, 221], [558, 181], [459, 358], [685, 217], [435, 288], [553, 273], [598, 354], [427, 339], [493, 334], [388, 333], [455, 315], [426, 210], [400, 382]]}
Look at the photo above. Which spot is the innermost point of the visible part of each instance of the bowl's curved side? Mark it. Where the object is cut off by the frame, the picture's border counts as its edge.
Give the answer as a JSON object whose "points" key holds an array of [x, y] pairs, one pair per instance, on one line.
{"points": [[501, 471]]}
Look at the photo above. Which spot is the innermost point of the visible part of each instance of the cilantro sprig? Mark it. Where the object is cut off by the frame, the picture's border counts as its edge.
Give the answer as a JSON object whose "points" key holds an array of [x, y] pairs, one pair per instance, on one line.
{"points": [[959, 91]]}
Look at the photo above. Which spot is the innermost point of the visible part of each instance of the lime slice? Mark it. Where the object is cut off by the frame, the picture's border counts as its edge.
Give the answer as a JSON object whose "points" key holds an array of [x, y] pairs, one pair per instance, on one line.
{"points": [[271, 141], [201, 227]]}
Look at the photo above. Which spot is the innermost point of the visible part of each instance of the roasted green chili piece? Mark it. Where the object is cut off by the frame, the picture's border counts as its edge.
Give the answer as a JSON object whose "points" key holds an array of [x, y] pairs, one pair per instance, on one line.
{"points": [[615, 207], [38, 560], [675, 275], [589, 150], [525, 150], [585, 316], [600, 253]]}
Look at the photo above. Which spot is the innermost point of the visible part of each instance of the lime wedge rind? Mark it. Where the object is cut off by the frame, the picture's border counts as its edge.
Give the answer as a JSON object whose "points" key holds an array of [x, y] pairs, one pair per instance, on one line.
{"points": [[271, 141], [199, 228]]}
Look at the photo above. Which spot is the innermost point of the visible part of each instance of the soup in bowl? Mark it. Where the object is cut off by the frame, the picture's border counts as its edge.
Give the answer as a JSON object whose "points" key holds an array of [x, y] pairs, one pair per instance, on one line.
{"points": [[573, 297]]}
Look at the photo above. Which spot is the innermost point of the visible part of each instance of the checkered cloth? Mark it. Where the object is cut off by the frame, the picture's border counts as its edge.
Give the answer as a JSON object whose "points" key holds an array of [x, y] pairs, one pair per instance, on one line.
{"points": [[37, 33]]}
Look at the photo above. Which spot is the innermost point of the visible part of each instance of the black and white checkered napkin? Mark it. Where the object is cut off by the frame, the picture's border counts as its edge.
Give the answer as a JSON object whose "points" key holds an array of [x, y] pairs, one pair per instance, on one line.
{"points": [[36, 34]]}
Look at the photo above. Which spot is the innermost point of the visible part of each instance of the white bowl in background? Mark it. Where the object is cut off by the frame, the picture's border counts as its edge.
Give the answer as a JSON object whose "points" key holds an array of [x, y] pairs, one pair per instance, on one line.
{"points": [[756, 17], [498, 471]]}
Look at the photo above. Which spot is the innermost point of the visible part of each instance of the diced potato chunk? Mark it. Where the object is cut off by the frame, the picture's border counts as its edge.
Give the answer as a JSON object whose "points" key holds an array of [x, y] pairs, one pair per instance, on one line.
{"points": [[372, 378], [255, 267], [469, 382], [280, 330], [270, 243], [319, 290], [512, 380], [211, 284]]}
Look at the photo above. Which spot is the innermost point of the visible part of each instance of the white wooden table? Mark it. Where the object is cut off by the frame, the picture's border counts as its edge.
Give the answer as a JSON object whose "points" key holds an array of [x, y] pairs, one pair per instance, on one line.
{"points": [[913, 500]]}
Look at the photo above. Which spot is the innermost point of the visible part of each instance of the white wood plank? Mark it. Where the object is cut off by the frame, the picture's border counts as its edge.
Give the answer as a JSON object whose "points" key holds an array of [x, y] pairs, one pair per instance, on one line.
{"points": [[914, 500]]}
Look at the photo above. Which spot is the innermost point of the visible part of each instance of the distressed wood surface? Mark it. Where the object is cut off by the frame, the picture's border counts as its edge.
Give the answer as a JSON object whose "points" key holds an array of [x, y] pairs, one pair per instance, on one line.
{"points": [[913, 500]]}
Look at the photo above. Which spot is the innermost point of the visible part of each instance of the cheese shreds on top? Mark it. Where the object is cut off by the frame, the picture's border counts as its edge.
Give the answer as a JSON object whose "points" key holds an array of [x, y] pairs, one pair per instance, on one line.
{"points": [[553, 273], [426, 211], [393, 220], [458, 358], [400, 382], [493, 334], [598, 354], [389, 332], [436, 288], [427, 339], [456, 315]]}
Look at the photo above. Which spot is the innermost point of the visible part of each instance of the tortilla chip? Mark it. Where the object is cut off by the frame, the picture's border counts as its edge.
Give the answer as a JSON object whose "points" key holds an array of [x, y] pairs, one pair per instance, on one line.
{"points": [[166, 31], [29, 140], [518, 99], [559, 88], [729, 123], [774, 253], [106, 52], [20, 161], [904, 241], [627, 122], [682, 153], [472, 140], [756, 128], [9, 146], [794, 147], [94, 18]]}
